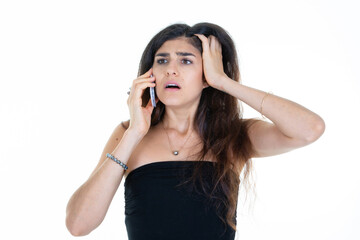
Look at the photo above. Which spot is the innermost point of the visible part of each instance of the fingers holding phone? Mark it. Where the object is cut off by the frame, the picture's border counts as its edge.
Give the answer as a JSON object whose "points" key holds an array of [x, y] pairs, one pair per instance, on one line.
{"points": [[140, 117]]}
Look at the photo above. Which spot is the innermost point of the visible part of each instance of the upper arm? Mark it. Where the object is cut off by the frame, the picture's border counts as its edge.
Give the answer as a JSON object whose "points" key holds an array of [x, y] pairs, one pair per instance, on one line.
{"points": [[267, 140], [112, 142]]}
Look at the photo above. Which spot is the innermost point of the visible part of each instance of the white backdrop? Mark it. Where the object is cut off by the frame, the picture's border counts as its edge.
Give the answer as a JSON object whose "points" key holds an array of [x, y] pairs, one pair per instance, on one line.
{"points": [[65, 68]]}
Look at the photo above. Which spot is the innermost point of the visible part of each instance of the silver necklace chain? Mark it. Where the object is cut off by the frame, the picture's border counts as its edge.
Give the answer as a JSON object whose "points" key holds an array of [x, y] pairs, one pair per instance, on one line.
{"points": [[175, 152]]}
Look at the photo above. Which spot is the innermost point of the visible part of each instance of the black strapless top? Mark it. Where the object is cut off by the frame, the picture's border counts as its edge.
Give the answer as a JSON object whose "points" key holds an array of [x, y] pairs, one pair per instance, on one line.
{"points": [[156, 208]]}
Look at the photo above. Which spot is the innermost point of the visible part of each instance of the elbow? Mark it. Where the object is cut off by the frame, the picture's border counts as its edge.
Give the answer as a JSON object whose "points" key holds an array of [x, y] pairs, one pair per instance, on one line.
{"points": [[76, 227], [316, 131]]}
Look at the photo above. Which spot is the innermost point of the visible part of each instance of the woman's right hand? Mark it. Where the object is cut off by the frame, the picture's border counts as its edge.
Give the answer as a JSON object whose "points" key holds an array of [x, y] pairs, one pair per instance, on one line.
{"points": [[140, 117]]}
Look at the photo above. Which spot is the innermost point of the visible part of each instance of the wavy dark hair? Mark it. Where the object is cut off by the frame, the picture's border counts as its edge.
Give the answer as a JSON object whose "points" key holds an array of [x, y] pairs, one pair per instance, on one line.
{"points": [[218, 120]]}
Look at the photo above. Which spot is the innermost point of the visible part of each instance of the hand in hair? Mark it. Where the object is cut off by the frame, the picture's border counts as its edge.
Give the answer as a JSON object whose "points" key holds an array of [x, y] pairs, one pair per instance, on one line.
{"points": [[212, 61]]}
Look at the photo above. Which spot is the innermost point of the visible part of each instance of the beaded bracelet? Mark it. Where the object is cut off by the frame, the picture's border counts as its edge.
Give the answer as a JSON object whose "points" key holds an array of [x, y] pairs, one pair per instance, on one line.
{"points": [[117, 161]]}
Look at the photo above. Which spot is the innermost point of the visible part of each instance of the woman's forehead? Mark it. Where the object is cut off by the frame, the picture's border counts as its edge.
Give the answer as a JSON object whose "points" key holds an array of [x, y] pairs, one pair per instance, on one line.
{"points": [[181, 44]]}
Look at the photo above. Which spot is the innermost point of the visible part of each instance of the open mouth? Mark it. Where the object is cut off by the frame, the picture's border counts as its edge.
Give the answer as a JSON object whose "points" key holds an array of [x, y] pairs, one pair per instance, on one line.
{"points": [[172, 86]]}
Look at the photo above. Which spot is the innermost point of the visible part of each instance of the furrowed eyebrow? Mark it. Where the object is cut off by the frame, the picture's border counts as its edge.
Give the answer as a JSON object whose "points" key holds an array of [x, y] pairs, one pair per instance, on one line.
{"points": [[162, 55], [184, 54]]}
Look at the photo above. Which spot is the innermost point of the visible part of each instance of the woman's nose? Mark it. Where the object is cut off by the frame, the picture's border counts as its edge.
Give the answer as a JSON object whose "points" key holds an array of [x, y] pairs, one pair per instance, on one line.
{"points": [[172, 70]]}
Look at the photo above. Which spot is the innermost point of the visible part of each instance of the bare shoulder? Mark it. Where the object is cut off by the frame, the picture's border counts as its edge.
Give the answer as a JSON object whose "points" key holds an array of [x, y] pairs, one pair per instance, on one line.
{"points": [[113, 141], [254, 123]]}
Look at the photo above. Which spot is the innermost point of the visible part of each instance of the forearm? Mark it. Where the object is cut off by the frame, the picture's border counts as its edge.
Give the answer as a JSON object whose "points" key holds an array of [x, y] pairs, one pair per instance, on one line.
{"points": [[292, 119], [89, 204]]}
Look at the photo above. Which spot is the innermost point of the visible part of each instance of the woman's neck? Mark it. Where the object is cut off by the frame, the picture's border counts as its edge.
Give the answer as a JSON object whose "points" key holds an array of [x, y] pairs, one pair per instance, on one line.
{"points": [[182, 121]]}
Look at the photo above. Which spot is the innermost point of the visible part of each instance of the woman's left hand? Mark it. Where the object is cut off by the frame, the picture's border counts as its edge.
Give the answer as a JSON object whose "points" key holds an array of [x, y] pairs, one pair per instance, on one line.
{"points": [[212, 61]]}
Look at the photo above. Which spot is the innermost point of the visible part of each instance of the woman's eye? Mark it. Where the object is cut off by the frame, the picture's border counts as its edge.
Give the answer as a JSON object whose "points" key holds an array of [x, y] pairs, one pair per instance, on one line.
{"points": [[186, 61], [161, 61]]}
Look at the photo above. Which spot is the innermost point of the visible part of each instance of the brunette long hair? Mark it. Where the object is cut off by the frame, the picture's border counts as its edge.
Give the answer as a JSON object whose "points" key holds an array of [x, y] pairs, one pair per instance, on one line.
{"points": [[218, 119]]}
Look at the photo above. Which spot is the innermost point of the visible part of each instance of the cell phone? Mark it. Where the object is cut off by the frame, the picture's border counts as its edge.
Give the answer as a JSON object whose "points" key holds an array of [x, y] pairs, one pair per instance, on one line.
{"points": [[152, 95]]}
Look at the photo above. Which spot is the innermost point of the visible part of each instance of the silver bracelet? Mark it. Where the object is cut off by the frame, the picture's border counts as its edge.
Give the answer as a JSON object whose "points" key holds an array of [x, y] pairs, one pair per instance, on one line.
{"points": [[262, 102], [117, 161]]}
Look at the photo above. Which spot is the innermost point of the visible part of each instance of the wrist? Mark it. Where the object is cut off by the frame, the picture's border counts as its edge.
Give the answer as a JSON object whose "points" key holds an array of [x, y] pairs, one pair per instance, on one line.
{"points": [[225, 83]]}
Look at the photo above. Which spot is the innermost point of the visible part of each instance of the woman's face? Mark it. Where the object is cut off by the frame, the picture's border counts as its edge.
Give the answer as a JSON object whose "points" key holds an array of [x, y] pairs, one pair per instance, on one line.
{"points": [[179, 63]]}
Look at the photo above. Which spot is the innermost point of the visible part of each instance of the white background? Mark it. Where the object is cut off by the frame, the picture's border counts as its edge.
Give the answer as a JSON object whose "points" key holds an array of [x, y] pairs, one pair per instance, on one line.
{"points": [[65, 68]]}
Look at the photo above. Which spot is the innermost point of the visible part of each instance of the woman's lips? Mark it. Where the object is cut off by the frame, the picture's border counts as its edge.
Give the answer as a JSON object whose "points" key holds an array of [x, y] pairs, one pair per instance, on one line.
{"points": [[172, 89], [171, 82]]}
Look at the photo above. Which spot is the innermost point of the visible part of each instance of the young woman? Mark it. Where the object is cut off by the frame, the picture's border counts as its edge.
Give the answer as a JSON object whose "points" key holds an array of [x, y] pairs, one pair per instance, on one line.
{"points": [[182, 159]]}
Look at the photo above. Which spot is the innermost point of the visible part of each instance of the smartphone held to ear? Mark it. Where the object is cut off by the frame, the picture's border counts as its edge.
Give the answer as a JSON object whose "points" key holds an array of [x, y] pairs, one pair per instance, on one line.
{"points": [[152, 95]]}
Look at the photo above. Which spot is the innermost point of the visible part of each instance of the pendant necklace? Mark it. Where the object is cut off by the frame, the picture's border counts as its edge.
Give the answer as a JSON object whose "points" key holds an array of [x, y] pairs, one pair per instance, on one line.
{"points": [[175, 152]]}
